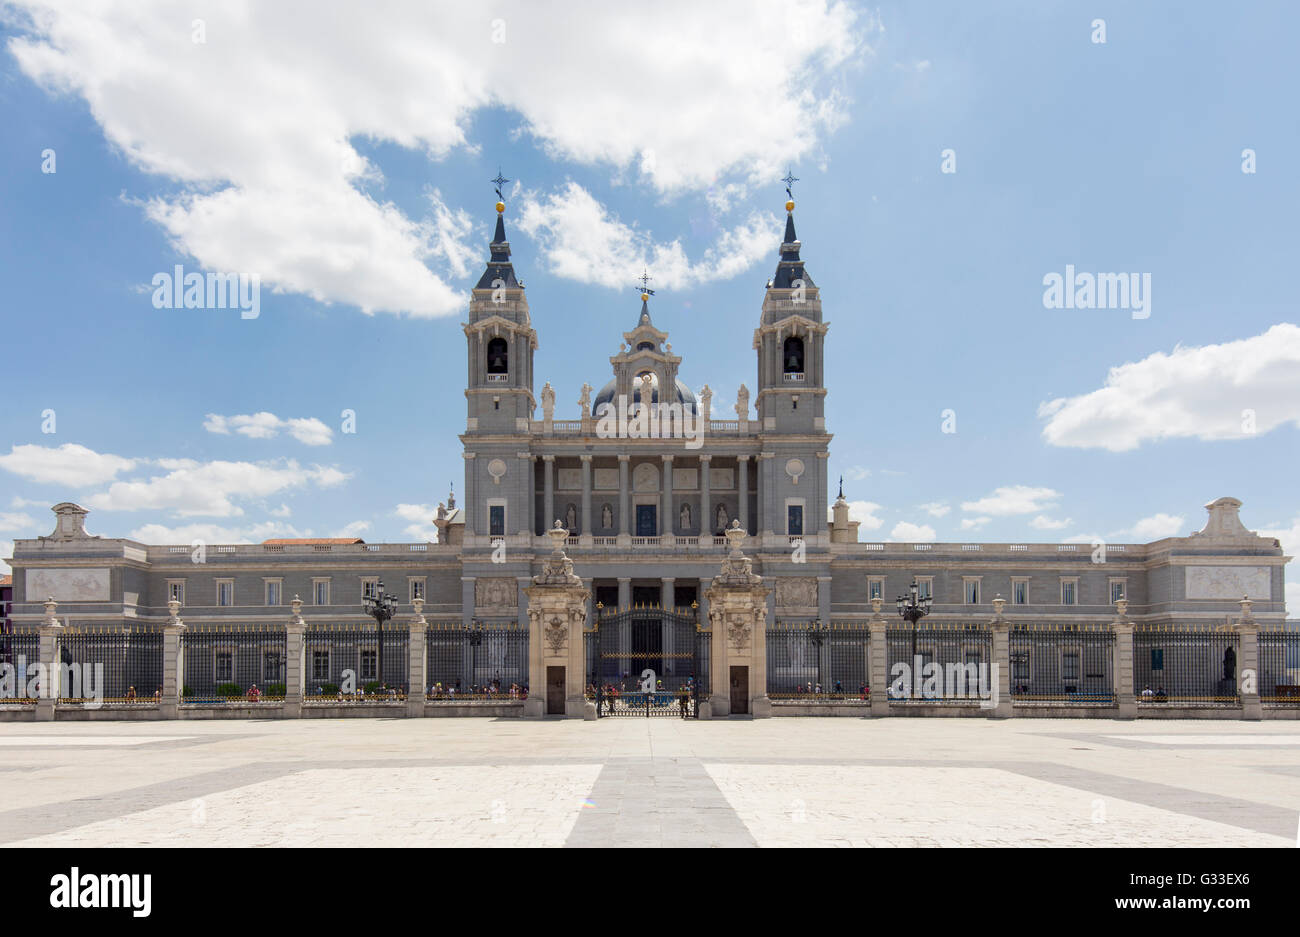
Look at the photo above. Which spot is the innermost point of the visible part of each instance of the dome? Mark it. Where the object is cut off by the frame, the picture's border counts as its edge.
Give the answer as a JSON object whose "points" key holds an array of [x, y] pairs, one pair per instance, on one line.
{"points": [[685, 396]]}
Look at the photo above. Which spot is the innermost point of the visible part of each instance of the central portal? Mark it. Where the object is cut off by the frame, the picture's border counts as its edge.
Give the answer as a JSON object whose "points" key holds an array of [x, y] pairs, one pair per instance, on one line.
{"points": [[648, 661]]}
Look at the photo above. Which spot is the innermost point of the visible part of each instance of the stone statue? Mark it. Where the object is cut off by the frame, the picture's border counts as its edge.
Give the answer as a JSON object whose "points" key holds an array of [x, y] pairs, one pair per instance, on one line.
{"points": [[606, 518], [571, 518], [647, 389], [685, 518], [585, 401], [548, 401], [722, 519], [742, 403], [706, 401]]}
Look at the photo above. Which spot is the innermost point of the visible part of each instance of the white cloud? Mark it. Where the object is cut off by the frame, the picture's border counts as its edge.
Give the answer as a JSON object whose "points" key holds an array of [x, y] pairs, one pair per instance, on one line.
{"points": [[908, 532], [263, 425], [354, 529], [282, 511], [580, 240], [70, 464], [1156, 527], [192, 488], [865, 512], [1043, 522], [857, 473], [1199, 392], [214, 533], [10, 522], [6, 553], [974, 523], [253, 127], [1013, 499], [936, 508], [422, 515], [1289, 538]]}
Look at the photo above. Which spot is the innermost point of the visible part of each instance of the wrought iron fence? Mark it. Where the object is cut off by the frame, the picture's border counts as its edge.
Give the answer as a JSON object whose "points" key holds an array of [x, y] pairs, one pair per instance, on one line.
{"points": [[110, 664], [20, 649], [962, 655], [1185, 664], [645, 661], [484, 660], [1063, 663], [233, 663], [811, 662], [1279, 667], [356, 663]]}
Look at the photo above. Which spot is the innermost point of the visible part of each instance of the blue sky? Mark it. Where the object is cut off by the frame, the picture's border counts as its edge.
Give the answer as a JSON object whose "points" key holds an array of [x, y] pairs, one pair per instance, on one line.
{"points": [[347, 162]]}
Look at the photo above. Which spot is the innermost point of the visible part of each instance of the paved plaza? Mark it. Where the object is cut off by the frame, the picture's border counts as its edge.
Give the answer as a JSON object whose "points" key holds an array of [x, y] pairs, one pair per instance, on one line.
{"points": [[651, 782]]}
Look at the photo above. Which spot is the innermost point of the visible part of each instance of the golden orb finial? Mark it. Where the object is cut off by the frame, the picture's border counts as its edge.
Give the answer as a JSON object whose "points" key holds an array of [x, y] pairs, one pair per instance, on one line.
{"points": [[501, 207], [645, 297], [789, 205]]}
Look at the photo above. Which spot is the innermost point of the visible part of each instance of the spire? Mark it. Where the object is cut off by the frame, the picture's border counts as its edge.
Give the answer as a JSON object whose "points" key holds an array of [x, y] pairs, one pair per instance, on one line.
{"points": [[790, 267], [646, 293], [841, 496], [499, 266]]}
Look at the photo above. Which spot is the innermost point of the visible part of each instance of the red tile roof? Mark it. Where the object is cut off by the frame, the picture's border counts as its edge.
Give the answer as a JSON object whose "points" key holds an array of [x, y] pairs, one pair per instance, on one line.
{"points": [[6, 580], [286, 541]]}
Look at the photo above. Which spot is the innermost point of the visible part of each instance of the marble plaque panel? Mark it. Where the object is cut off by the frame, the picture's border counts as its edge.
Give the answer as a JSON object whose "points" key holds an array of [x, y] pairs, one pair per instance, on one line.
{"points": [[68, 585], [686, 479], [1229, 582], [606, 479], [570, 479], [722, 479]]}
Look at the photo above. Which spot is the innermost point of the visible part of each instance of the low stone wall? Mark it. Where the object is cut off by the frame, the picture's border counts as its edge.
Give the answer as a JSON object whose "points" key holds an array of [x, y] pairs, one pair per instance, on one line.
{"points": [[821, 709]]}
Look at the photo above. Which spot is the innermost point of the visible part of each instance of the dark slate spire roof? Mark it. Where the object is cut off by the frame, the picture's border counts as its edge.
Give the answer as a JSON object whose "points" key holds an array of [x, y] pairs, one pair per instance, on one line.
{"points": [[499, 266], [645, 315], [790, 267]]}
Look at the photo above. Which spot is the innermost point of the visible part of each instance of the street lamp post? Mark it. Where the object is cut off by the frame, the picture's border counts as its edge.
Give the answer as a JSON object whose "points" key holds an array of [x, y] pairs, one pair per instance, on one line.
{"points": [[381, 608], [913, 607]]}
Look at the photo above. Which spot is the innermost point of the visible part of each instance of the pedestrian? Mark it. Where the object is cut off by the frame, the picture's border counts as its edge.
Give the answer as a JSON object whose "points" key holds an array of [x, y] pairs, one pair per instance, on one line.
{"points": [[130, 694]]}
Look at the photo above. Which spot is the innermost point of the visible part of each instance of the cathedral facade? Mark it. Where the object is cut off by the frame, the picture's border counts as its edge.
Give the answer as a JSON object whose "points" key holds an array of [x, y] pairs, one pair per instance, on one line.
{"points": [[645, 479]]}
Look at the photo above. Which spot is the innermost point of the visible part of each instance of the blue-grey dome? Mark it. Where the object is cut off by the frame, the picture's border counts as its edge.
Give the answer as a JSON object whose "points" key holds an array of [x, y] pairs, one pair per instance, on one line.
{"points": [[685, 396]]}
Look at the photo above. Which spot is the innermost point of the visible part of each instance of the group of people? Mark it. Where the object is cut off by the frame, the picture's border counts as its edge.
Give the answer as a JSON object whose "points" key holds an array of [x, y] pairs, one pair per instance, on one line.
{"points": [[1157, 694], [837, 689], [131, 696], [492, 690]]}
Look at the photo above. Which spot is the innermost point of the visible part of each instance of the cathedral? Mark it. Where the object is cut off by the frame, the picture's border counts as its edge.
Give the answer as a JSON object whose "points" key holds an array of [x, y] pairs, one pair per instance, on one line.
{"points": [[644, 480]]}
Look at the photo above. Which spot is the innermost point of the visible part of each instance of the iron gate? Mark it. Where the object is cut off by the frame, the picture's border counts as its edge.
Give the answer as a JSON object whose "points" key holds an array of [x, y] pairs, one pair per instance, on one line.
{"points": [[647, 661]]}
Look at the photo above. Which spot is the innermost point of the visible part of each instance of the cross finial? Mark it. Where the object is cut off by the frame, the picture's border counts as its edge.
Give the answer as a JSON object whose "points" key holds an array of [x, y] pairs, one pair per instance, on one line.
{"points": [[841, 486], [645, 279], [789, 180], [499, 181]]}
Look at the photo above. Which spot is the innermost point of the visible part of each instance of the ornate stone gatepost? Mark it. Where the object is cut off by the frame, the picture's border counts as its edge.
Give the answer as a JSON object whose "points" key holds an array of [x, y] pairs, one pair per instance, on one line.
{"points": [[1247, 675], [878, 659], [173, 663], [1122, 665], [738, 616], [417, 661], [1001, 707], [49, 631], [557, 651]]}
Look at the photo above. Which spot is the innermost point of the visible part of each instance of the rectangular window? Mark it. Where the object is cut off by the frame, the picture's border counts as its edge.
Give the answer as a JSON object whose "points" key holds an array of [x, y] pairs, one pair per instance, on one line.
{"points": [[417, 589], [369, 663], [273, 667], [1118, 590], [972, 592], [320, 665], [497, 520], [875, 588], [369, 587], [794, 519], [321, 592], [176, 591], [1070, 666], [225, 592], [274, 591], [223, 670], [1020, 592], [925, 586], [1069, 591]]}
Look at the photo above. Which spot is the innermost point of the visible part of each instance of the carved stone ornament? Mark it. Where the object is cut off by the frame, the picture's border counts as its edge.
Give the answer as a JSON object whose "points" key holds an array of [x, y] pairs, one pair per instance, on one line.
{"points": [[558, 569], [495, 593], [556, 635], [737, 569], [738, 634], [796, 592]]}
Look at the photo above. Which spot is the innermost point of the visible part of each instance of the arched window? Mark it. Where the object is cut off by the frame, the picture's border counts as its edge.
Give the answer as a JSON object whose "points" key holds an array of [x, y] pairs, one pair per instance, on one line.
{"points": [[498, 357], [793, 356]]}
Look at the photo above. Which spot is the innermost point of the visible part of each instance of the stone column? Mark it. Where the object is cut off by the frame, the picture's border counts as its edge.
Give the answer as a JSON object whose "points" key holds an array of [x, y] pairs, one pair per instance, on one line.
{"points": [[467, 600], [471, 496], [738, 616], [417, 681], [173, 663], [706, 508], [999, 705], [585, 530], [557, 619], [624, 504], [624, 592], [295, 662], [878, 658], [625, 629], [548, 491], [742, 491], [532, 496], [1122, 663], [49, 631], [666, 525], [1248, 663], [668, 632]]}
